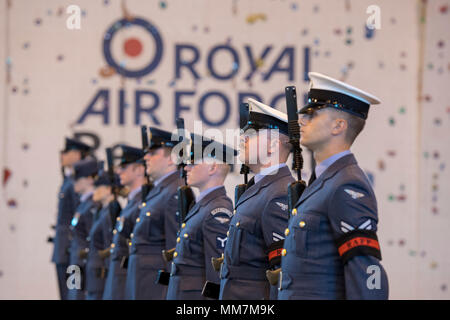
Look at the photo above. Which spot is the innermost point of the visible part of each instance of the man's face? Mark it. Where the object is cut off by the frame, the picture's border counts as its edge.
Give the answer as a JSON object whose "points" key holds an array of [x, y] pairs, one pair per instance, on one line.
{"points": [[82, 184], [315, 128], [70, 157], [254, 146], [249, 146], [197, 174], [157, 162], [128, 173], [101, 193]]}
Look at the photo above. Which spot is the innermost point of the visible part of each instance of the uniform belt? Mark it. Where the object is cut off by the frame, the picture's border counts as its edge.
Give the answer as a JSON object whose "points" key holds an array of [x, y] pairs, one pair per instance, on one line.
{"points": [[146, 249], [243, 273], [184, 270]]}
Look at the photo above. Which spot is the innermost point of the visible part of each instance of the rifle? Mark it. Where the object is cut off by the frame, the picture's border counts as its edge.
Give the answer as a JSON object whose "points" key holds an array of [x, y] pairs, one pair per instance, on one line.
{"points": [[114, 206], [296, 188], [185, 200], [243, 119], [145, 144], [185, 194]]}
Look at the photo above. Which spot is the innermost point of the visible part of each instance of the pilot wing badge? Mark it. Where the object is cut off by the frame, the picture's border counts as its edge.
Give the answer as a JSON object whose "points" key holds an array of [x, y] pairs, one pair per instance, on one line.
{"points": [[354, 194]]}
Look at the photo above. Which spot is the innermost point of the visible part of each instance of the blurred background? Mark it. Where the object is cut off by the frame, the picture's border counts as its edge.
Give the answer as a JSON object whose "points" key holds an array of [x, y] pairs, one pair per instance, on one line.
{"points": [[98, 69]]}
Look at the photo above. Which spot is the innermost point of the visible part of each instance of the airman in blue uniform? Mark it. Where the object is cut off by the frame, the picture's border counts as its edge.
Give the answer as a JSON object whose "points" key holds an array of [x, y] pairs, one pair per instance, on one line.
{"points": [[260, 215], [131, 175], [85, 172], [203, 231], [331, 250], [156, 227], [100, 236], [68, 201]]}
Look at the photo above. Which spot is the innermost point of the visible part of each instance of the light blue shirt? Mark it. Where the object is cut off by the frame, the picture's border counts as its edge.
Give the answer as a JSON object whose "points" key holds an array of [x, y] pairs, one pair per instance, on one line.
{"points": [[86, 195], [164, 177], [267, 171], [133, 193], [320, 168], [204, 193]]}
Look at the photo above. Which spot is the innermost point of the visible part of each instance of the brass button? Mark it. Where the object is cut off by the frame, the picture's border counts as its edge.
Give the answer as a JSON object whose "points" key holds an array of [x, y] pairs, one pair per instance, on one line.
{"points": [[175, 254], [183, 225], [302, 224], [185, 235], [114, 231], [228, 233], [148, 214], [132, 235], [283, 252], [178, 240], [234, 211], [286, 232], [138, 219], [144, 204], [113, 245], [129, 243], [238, 224], [294, 212], [118, 219]]}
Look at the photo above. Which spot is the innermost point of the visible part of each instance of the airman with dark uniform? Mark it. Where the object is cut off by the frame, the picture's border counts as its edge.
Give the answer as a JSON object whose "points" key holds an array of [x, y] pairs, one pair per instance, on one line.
{"points": [[131, 173], [260, 215], [68, 201], [85, 172], [331, 250], [156, 227], [203, 231], [100, 236]]}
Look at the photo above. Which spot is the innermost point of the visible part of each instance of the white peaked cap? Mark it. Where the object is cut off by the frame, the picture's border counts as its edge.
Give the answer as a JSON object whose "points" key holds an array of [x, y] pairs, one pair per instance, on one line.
{"points": [[256, 106], [323, 82]]}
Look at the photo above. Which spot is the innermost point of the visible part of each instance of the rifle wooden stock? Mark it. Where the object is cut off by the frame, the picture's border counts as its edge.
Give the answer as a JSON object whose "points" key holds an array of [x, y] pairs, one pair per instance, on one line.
{"points": [[168, 255], [217, 262], [105, 253], [273, 276]]}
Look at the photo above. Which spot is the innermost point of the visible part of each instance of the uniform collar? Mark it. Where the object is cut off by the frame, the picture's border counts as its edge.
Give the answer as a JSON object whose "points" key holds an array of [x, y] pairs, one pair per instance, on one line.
{"points": [[133, 193], [268, 171], [320, 168], [204, 193], [214, 193], [86, 196], [164, 177], [266, 180], [338, 165]]}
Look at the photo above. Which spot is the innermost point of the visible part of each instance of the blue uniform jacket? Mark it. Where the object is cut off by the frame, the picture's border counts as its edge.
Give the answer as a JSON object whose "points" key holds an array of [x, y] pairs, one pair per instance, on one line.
{"points": [[100, 238], [68, 201], [336, 210], [116, 277], [81, 226], [155, 230], [202, 237], [260, 218]]}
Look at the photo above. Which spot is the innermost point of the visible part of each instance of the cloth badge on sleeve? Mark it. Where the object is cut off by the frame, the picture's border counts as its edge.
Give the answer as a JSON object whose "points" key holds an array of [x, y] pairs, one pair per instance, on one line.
{"points": [[222, 214], [283, 206], [221, 240], [355, 195], [277, 237]]}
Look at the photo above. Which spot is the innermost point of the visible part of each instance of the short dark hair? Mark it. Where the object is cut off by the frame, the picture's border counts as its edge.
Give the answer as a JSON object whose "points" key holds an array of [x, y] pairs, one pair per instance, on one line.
{"points": [[355, 125]]}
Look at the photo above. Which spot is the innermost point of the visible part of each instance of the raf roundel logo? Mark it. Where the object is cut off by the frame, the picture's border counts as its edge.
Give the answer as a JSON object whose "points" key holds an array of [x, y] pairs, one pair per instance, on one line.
{"points": [[132, 48]]}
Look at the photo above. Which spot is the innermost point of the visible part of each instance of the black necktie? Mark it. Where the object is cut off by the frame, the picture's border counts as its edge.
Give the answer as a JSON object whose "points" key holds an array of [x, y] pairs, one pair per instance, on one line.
{"points": [[312, 178]]}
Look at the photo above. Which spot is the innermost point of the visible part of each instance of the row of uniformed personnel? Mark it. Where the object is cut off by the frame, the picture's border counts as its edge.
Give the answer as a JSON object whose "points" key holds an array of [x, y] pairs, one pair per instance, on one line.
{"points": [[326, 247]]}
